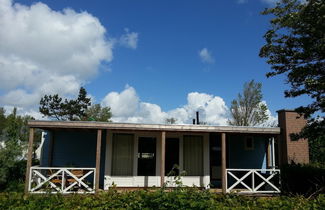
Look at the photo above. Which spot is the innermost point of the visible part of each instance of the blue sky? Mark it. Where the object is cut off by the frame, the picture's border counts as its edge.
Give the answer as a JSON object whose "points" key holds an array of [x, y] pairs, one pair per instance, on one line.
{"points": [[159, 59]]}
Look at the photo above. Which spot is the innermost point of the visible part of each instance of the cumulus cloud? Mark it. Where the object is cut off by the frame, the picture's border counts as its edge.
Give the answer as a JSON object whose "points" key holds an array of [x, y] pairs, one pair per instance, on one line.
{"points": [[126, 106], [206, 56], [43, 51], [129, 39]]}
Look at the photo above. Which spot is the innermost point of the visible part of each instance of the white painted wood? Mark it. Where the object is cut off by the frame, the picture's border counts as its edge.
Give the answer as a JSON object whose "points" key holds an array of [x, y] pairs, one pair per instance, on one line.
{"points": [[253, 172], [150, 181], [131, 181], [43, 177]]}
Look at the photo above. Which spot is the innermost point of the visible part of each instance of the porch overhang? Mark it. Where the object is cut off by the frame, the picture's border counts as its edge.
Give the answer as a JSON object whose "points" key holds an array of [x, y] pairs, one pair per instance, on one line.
{"points": [[152, 127]]}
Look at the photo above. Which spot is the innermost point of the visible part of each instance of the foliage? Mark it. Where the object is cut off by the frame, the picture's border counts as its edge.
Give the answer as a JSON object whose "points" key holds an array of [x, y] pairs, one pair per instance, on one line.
{"points": [[248, 109], [13, 141], [295, 46], [306, 180], [317, 149], [156, 199], [171, 120], [73, 109], [98, 113], [54, 106]]}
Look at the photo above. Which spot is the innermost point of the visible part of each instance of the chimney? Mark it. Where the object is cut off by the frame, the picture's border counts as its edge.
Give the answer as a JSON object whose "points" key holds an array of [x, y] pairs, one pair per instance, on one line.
{"points": [[290, 150], [197, 118]]}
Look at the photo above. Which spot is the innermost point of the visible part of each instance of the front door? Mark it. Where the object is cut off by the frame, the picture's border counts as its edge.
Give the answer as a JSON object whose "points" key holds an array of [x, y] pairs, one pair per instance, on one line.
{"points": [[147, 156]]}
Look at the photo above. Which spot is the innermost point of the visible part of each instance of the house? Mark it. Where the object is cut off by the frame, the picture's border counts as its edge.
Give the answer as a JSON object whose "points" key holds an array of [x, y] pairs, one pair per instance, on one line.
{"points": [[84, 157]]}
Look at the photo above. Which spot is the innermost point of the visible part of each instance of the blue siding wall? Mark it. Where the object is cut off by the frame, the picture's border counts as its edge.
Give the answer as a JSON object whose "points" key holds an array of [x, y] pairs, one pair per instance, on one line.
{"points": [[75, 148], [239, 157]]}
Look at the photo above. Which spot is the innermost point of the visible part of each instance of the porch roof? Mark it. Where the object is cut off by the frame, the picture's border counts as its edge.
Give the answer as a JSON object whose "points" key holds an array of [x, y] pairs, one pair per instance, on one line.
{"points": [[150, 127]]}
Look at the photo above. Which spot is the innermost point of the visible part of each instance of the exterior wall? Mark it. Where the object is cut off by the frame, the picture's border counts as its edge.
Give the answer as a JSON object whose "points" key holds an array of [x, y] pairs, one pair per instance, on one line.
{"points": [[150, 181], [72, 149], [292, 150], [239, 157]]}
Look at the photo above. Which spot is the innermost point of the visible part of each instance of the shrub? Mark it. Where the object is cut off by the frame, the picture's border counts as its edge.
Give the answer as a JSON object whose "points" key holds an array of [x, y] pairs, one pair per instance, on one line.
{"points": [[179, 199], [307, 180]]}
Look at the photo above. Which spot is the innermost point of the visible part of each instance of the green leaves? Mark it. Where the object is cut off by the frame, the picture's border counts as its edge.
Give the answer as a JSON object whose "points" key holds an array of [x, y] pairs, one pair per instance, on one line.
{"points": [[157, 199], [73, 109], [248, 109], [295, 46], [98, 113]]}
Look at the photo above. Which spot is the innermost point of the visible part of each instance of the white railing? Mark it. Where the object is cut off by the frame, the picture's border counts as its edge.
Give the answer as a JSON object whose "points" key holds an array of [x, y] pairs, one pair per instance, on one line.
{"points": [[253, 180], [61, 180]]}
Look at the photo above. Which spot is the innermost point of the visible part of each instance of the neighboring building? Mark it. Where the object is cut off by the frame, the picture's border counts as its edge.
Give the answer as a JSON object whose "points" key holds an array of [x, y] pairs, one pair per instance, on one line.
{"points": [[88, 156]]}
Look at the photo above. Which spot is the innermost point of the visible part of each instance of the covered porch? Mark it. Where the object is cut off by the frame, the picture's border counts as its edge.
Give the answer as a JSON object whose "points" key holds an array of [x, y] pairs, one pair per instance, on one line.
{"points": [[83, 157]]}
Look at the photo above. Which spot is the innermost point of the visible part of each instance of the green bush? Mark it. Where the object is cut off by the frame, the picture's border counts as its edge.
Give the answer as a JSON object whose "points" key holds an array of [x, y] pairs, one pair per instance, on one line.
{"points": [[177, 199], [304, 180]]}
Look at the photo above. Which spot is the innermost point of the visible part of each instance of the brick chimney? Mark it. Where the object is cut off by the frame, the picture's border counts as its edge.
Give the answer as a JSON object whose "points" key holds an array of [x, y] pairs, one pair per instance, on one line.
{"points": [[292, 150]]}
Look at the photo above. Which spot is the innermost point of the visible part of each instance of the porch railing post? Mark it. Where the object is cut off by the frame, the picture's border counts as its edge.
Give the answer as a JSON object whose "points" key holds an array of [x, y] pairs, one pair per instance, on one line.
{"points": [[223, 163], [98, 148], [29, 159], [162, 158]]}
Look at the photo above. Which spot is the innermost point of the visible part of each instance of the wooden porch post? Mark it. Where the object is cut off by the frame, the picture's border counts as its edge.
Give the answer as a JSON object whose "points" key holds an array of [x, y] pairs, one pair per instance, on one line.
{"points": [[29, 158], [98, 148], [223, 162], [162, 158]]}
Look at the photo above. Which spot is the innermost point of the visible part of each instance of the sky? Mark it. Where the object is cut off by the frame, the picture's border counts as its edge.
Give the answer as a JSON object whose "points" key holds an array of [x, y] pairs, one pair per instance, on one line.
{"points": [[147, 60]]}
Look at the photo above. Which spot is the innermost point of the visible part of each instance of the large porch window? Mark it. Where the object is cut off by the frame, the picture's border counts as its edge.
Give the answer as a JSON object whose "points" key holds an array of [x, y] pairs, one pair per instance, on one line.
{"points": [[122, 157], [193, 155]]}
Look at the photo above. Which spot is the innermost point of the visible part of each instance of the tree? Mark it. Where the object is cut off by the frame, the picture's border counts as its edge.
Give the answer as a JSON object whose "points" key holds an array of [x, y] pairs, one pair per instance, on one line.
{"points": [[171, 120], [248, 109], [98, 113], [13, 142], [295, 46], [53, 106]]}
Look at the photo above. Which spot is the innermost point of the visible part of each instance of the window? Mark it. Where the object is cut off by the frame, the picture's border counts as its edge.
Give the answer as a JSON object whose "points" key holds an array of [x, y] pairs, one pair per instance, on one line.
{"points": [[249, 143], [193, 155], [122, 154]]}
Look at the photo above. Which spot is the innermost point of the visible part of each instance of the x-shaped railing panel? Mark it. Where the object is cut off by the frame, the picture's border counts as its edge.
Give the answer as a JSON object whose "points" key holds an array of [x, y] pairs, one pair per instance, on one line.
{"points": [[253, 173], [62, 180]]}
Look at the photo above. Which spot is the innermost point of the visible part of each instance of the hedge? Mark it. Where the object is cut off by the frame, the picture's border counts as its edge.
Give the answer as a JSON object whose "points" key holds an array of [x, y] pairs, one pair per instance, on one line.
{"points": [[307, 180], [178, 199]]}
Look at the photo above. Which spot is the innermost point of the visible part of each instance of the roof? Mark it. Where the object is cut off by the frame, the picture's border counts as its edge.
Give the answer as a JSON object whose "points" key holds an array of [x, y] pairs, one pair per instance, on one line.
{"points": [[150, 127]]}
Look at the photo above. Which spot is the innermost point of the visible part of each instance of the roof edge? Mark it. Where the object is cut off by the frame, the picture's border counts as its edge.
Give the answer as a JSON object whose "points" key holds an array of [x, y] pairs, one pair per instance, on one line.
{"points": [[151, 127]]}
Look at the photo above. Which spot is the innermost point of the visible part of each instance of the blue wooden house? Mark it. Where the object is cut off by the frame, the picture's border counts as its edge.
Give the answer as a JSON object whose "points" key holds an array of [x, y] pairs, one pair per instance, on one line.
{"points": [[84, 157]]}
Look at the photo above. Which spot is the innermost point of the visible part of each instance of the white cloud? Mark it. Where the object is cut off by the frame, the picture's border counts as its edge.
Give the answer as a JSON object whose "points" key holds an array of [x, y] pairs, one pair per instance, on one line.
{"points": [[127, 107], [123, 104], [129, 39], [43, 51], [206, 56]]}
